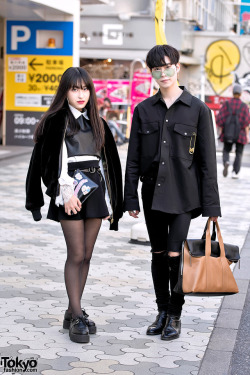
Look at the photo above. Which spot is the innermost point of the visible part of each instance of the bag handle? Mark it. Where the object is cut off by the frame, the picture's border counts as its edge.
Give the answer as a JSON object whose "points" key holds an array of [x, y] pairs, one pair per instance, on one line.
{"points": [[213, 237], [208, 240]]}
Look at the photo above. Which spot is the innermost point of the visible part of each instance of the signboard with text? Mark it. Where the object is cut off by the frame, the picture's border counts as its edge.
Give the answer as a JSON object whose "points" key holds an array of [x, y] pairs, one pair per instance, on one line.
{"points": [[142, 87], [37, 55]]}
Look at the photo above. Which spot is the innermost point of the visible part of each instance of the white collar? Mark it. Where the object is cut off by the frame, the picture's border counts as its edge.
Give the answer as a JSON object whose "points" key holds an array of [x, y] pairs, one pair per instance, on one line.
{"points": [[77, 113]]}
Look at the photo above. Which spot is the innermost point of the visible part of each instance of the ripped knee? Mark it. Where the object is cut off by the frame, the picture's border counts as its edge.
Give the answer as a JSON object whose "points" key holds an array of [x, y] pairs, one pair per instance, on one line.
{"points": [[172, 254], [159, 255]]}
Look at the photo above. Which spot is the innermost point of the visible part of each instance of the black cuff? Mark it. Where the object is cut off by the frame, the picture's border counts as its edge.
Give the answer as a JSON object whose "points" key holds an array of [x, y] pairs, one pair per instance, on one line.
{"points": [[36, 215], [114, 225]]}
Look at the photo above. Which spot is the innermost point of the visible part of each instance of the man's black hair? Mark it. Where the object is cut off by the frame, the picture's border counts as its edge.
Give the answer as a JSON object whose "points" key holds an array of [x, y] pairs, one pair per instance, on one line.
{"points": [[156, 56]]}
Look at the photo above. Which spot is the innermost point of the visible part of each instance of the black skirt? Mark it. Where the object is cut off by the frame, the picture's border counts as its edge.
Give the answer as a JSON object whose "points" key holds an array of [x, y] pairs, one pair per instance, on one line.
{"points": [[94, 207]]}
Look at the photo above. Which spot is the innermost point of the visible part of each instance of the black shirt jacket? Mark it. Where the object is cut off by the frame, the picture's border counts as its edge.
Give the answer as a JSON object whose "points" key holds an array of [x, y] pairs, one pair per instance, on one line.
{"points": [[175, 147]]}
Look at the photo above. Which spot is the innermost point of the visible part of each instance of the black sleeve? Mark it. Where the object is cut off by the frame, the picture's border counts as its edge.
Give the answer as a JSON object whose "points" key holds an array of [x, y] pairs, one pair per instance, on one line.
{"points": [[208, 166], [115, 177], [34, 195]]}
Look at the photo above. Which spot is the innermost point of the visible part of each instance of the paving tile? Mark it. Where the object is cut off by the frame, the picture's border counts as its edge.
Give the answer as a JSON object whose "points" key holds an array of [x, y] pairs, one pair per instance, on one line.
{"points": [[119, 294], [139, 369]]}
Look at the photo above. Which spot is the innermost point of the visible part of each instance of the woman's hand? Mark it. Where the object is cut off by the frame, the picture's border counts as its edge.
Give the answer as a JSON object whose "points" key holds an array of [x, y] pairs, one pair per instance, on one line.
{"points": [[214, 218], [73, 206], [106, 218], [134, 213]]}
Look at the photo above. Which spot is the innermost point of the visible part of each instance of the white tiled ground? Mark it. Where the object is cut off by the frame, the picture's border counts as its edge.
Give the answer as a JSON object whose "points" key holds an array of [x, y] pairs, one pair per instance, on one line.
{"points": [[118, 296]]}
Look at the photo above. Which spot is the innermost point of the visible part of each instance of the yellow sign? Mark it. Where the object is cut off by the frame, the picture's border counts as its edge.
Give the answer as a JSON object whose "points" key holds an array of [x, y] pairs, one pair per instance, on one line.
{"points": [[222, 58], [160, 16], [32, 80]]}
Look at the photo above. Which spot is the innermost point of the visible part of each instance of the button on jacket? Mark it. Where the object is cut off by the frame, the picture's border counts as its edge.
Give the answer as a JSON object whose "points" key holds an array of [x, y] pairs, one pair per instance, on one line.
{"points": [[176, 146]]}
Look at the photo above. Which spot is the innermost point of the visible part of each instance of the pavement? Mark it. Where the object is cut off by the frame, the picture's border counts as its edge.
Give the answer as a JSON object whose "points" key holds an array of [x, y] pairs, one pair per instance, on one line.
{"points": [[118, 296]]}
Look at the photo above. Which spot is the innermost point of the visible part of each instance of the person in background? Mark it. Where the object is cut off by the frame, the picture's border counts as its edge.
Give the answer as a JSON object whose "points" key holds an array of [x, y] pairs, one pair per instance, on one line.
{"points": [[172, 151], [70, 136], [234, 113], [117, 133]]}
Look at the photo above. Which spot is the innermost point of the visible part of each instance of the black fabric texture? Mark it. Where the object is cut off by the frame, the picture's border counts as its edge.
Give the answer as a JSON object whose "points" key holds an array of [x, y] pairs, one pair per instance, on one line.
{"points": [[180, 140], [45, 165]]}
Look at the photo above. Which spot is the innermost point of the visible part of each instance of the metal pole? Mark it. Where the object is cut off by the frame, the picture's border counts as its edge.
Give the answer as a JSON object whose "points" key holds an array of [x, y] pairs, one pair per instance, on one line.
{"points": [[202, 91], [131, 72]]}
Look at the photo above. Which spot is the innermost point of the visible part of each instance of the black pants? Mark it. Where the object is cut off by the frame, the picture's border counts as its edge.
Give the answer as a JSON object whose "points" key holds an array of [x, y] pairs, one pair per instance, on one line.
{"points": [[238, 151], [166, 234]]}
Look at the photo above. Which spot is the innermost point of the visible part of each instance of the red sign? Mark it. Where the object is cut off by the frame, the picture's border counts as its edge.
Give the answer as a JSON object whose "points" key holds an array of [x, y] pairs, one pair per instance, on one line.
{"points": [[214, 102], [100, 88], [117, 91], [141, 88]]}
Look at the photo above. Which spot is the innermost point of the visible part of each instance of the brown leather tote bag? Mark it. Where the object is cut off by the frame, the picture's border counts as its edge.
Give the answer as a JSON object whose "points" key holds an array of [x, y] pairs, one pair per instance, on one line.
{"points": [[206, 275]]}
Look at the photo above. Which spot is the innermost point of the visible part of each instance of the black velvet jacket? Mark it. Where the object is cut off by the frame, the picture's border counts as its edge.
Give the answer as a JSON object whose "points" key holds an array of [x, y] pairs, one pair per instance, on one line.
{"points": [[45, 164]]}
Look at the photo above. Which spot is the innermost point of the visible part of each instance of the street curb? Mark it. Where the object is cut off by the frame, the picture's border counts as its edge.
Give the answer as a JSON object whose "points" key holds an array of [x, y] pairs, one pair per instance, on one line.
{"points": [[14, 151], [219, 352]]}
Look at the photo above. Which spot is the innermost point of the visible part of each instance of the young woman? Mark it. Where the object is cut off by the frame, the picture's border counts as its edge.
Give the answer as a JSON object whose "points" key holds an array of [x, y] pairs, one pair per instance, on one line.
{"points": [[71, 136]]}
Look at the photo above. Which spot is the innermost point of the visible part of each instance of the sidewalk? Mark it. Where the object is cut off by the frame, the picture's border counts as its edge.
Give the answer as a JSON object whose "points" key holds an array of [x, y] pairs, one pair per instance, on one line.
{"points": [[119, 294]]}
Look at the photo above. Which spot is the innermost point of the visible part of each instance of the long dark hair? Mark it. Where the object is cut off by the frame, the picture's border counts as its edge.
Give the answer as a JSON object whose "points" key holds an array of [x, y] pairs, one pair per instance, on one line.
{"points": [[74, 77]]}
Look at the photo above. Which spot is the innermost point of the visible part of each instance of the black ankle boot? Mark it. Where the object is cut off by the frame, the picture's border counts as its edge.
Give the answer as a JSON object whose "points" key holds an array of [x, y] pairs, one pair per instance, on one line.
{"points": [[78, 330], [68, 316], [172, 328], [157, 327]]}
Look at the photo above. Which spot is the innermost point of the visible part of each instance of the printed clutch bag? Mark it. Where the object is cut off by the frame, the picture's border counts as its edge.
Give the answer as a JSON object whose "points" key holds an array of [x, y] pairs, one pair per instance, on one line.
{"points": [[83, 185]]}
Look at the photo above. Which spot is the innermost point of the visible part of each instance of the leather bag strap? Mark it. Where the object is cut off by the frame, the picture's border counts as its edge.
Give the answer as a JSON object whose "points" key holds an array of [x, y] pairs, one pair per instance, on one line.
{"points": [[213, 237], [208, 240]]}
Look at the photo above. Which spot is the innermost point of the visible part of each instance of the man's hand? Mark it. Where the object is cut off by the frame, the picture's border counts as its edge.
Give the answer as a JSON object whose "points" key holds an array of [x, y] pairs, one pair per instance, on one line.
{"points": [[214, 218], [134, 213]]}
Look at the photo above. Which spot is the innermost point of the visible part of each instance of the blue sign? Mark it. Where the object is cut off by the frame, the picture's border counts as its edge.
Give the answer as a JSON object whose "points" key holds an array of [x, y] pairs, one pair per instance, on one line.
{"points": [[245, 18], [23, 37]]}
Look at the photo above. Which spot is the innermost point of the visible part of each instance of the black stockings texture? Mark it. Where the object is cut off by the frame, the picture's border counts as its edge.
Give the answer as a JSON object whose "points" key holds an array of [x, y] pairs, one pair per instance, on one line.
{"points": [[80, 237]]}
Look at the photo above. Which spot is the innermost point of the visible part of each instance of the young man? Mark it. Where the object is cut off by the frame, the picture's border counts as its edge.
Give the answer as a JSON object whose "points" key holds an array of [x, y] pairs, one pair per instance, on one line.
{"points": [[172, 151], [234, 107]]}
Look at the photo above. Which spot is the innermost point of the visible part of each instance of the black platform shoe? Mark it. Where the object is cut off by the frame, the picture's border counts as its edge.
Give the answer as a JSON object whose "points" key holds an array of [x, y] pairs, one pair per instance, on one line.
{"points": [[157, 327], [90, 324], [172, 328], [78, 330]]}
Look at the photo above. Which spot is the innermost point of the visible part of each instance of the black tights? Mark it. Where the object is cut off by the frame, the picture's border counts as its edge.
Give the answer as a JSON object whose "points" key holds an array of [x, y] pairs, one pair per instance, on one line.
{"points": [[80, 237]]}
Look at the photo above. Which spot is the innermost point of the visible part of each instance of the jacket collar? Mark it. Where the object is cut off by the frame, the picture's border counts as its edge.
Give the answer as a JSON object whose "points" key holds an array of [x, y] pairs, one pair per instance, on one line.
{"points": [[185, 97]]}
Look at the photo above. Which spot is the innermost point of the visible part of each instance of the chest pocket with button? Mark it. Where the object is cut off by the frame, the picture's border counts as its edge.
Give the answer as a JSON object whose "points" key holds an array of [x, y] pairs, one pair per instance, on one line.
{"points": [[149, 139], [183, 141]]}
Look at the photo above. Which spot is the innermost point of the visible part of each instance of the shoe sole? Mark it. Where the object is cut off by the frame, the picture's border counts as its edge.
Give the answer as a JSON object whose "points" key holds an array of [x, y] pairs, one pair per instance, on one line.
{"points": [[66, 324], [82, 339]]}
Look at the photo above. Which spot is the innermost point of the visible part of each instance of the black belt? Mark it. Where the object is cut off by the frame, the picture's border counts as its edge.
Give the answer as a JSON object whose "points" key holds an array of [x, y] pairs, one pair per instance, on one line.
{"points": [[91, 169]]}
